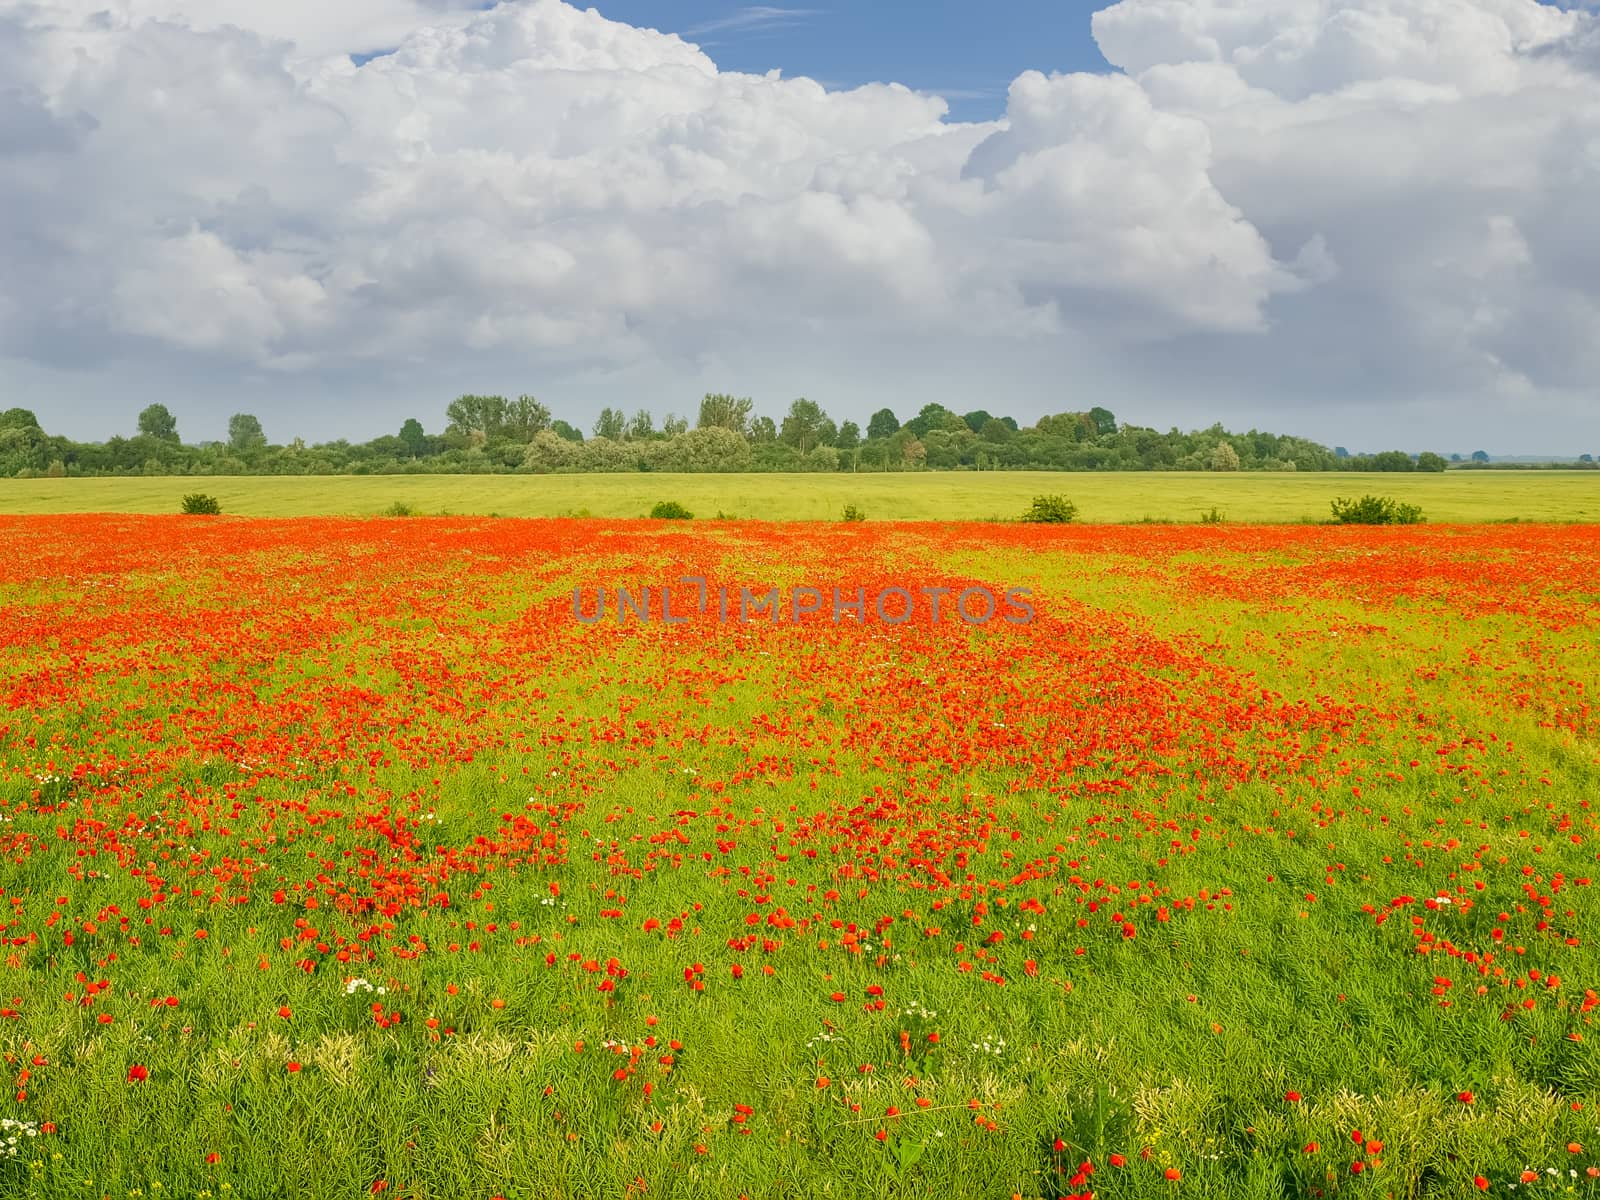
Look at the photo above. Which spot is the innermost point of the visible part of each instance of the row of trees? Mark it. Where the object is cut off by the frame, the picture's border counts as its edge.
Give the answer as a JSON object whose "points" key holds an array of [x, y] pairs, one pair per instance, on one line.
{"points": [[496, 434]]}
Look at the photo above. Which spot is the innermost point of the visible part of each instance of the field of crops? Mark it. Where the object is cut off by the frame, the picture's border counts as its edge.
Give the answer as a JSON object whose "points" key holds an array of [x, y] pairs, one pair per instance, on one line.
{"points": [[349, 857], [1101, 496]]}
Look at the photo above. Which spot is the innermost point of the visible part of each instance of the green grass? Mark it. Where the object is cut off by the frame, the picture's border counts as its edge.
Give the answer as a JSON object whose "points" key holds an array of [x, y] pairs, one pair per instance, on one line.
{"points": [[1456, 496]]}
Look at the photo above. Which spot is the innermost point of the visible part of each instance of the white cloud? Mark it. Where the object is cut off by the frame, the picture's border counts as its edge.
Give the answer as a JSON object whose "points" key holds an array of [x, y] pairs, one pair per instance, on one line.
{"points": [[1282, 203]]}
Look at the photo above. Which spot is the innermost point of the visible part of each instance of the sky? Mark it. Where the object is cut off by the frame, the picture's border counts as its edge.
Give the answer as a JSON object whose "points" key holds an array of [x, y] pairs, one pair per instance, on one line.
{"points": [[965, 52], [1368, 222]]}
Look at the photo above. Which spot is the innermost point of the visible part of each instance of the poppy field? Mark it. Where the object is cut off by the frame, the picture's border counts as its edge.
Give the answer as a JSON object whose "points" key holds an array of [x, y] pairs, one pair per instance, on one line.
{"points": [[346, 857]]}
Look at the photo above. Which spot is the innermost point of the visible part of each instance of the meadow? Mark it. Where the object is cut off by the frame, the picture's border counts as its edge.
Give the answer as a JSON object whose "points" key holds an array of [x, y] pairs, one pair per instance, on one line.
{"points": [[1171, 497], [346, 857]]}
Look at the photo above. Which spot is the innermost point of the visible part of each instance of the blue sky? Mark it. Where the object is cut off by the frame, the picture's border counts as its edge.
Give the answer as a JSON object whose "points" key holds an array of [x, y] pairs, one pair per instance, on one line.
{"points": [[967, 52]]}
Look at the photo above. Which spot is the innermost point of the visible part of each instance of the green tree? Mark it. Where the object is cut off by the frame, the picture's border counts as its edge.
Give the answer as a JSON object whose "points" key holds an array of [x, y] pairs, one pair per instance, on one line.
{"points": [[1224, 457], [714, 448], [22, 448], [610, 425], [18, 418], [477, 418], [912, 452], [804, 425], [1393, 460], [601, 453], [566, 432], [995, 431], [156, 422], [883, 424], [849, 436], [822, 458], [642, 428], [1429, 461], [719, 411], [674, 426], [763, 431], [548, 451], [1480, 456], [1103, 421], [244, 433], [524, 417], [413, 437], [976, 419], [934, 416]]}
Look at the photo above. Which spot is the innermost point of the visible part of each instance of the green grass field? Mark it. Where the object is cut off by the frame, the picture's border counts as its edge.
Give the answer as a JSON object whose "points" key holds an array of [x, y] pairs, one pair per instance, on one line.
{"points": [[1456, 496]]}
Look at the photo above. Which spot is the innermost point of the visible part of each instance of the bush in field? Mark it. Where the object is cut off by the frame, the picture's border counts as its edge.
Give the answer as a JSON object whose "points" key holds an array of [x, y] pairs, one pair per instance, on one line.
{"points": [[852, 513], [1375, 510], [201, 504], [1214, 517], [400, 509], [671, 510], [1050, 510]]}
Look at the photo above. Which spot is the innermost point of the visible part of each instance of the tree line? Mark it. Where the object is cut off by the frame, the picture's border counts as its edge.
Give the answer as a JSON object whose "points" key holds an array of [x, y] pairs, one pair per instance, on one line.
{"points": [[493, 434]]}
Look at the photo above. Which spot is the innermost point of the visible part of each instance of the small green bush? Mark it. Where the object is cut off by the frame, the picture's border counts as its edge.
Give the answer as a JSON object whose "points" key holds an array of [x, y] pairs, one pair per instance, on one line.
{"points": [[1212, 518], [400, 509], [1050, 510], [671, 510], [1375, 510], [852, 513], [201, 504]]}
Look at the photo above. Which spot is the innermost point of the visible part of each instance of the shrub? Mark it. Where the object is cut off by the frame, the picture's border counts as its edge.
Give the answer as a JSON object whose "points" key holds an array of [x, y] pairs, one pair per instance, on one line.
{"points": [[1375, 510], [1212, 518], [671, 510], [202, 504], [1224, 457], [400, 509], [852, 513], [1051, 510]]}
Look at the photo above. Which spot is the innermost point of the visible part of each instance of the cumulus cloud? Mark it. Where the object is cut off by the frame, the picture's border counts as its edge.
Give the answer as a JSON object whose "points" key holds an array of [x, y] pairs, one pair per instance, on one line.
{"points": [[1276, 205], [1442, 150]]}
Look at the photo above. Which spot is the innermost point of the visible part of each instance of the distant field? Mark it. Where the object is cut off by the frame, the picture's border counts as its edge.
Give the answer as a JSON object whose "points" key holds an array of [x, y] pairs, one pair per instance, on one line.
{"points": [[1466, 496]]}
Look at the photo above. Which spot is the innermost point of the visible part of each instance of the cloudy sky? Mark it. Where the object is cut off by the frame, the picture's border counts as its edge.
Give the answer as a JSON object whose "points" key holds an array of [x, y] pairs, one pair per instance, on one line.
{"points": [[1370, 222]]}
